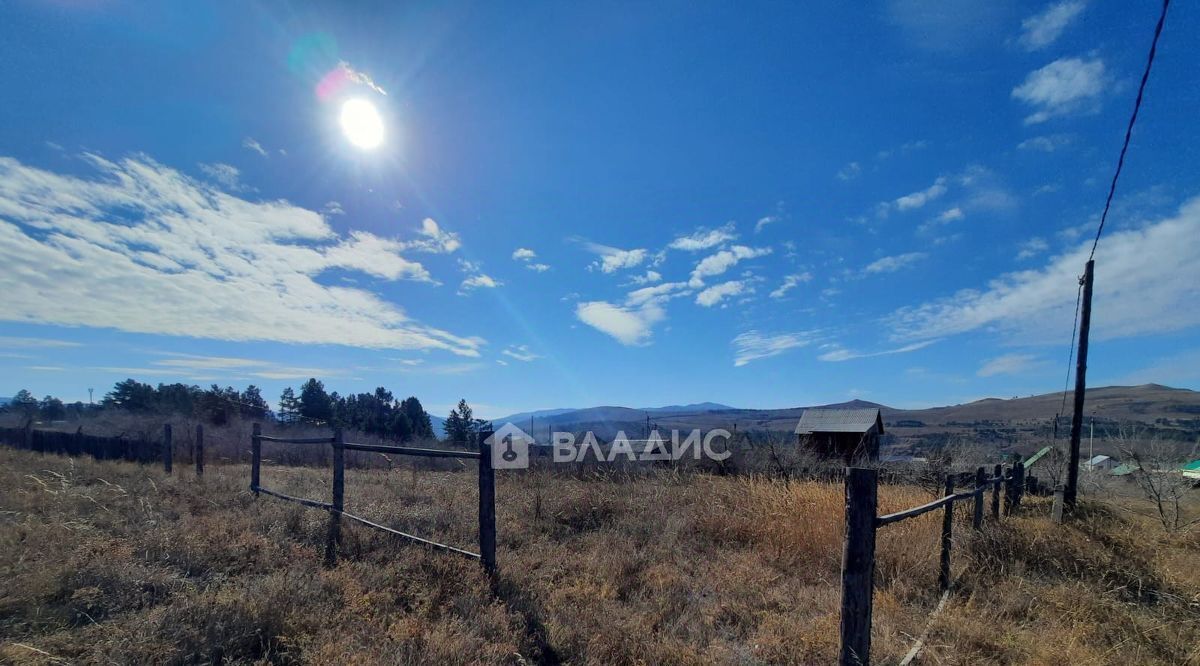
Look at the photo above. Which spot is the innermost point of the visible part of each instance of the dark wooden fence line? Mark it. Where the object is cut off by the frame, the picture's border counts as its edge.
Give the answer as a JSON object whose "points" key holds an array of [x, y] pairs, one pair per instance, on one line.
{"points": [[145, 451], [862, 523], [336, 507]]}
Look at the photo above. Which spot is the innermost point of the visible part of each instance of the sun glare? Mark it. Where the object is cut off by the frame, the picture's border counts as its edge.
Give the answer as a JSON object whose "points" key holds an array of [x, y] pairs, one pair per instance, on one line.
{"points": [[361, 123]]}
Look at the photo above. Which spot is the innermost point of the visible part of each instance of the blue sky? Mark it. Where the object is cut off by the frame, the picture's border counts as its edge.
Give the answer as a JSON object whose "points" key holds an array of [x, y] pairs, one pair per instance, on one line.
{"points": [[764, 205]]}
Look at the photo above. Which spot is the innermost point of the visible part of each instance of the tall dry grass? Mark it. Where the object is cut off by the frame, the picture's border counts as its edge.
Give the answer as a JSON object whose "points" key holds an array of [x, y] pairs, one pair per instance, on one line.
{"points": [[115, 563]]}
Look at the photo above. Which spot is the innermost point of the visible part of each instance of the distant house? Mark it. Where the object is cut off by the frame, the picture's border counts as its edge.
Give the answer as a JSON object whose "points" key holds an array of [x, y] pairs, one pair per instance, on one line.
{"points": [[1102, 463], [1192, 470], [841, 433]]}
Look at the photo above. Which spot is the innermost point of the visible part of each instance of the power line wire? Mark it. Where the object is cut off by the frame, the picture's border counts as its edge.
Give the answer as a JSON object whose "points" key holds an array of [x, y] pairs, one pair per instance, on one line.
{"points": [[1137, 105]]}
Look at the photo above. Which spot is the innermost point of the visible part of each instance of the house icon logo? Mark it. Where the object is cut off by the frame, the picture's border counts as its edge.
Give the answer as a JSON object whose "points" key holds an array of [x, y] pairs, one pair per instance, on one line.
{"points": [[510, 448]]}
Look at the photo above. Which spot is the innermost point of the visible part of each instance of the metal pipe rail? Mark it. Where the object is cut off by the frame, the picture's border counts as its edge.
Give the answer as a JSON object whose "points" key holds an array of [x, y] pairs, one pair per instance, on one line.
{"points": [[412, 451], [299, 500], [410, 537], [296, 440]]}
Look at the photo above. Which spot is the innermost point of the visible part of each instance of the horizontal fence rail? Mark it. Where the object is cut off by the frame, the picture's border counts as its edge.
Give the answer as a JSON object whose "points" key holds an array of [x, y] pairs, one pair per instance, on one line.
{"points": [[144, 450], [336, 508], [863, 521]]}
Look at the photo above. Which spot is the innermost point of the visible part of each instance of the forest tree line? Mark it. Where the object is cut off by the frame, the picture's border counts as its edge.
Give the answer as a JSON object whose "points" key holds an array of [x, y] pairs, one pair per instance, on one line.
{"points": [[378, 413]]}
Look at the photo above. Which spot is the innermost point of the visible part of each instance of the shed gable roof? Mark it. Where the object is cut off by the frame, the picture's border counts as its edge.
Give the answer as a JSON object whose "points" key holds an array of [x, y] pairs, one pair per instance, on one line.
{"points": [[838, 420]]}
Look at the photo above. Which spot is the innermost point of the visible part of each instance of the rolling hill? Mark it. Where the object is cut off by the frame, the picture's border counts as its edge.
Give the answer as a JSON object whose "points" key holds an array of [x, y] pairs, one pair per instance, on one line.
{"points": [[1170, 411]]}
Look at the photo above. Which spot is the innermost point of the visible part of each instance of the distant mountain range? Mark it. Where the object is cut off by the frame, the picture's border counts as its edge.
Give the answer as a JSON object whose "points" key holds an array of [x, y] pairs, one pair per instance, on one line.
{"points": [[1173, 411]]}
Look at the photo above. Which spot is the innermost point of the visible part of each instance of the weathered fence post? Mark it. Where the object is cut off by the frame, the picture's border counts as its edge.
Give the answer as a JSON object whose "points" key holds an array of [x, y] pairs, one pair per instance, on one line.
{"points": [[487, 503], [1056, 513], [334, 539], [199, 449], [28, 435], [980, 483], [1009, 477], [947, 537], [998, 475], [858, 566], [1018, 484], [255, 456], [168, 449]]}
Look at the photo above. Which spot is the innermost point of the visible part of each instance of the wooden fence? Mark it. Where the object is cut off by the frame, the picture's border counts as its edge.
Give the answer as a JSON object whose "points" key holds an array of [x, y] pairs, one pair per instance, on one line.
{"points": [[140, 450], [862, 522], [336, 506]]}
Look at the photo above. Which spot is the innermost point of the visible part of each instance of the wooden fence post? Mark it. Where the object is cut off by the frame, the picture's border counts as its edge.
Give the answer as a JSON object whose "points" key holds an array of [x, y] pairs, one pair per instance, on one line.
{"points": [[168, 449], [858, 566], [255, 456], [1018, 483], [334, 539], [487, 504], [998, 473], [947, 537], [1009, 475], [199, 449], [980, 483], [1056, 512]]}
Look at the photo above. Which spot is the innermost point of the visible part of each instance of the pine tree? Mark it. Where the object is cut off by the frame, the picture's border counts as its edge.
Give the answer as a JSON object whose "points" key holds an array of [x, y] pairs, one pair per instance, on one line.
{"points": [[289, 406]]}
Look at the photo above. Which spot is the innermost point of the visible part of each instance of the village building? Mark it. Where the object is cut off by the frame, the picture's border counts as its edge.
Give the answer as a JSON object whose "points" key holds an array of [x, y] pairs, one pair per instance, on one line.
{"points": [[849, 434]]}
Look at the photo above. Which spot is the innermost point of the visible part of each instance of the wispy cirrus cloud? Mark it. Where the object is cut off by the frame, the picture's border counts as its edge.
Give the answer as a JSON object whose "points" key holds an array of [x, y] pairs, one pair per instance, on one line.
{"points": [[703, 239], [716, 264], [613, 259], [1147, 283], [520, 353], [1045, 27], [754, 345], [144, 248], [1010, 364], [894, 263], [836, 353], [790, 282]]}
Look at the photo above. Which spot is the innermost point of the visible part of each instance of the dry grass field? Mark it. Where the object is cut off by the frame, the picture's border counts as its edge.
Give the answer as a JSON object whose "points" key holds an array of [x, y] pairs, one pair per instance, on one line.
{"points": [[118, 563]]}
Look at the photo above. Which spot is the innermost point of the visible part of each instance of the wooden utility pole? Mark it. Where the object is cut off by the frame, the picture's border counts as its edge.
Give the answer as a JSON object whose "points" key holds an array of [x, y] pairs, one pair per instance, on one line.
{"points": [[1071, 492]]}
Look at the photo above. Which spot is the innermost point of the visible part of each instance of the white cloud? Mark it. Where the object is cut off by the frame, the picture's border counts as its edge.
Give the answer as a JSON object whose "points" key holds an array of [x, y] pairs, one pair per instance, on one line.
{"points": [[1147, 282], [223, 174], [1010, 364], [835, 353], [790, 282], [613, 259], [753, 345], [478, 281], [650, 277], [147, 249], [630, 326], [250, 144], [703, 239], [527, 256], [1065, 86], [521, 353], [719, 292], [850, 171], [951, 215], [1046, 144], [359, 77], [633, 322], [716, 264], [437, 240], [921, 197], [1032, 248], [11, 342], [1042, 29], [894, 263], [332, 208]]}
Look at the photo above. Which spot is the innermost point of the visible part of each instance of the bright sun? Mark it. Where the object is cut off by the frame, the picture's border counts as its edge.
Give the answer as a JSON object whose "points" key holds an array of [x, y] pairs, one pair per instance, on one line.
{"points": [[361, 123]]}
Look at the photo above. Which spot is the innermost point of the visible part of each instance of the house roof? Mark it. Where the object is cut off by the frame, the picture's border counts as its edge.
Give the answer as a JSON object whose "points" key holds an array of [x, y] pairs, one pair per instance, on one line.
{"points": [[1124, 470], [1037, 456], [1099, 459], [1193, 466], [838, 420]]}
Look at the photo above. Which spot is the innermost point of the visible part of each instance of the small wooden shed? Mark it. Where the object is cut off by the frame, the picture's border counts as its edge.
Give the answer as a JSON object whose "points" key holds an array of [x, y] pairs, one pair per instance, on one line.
{"points": [[850, 434]]}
